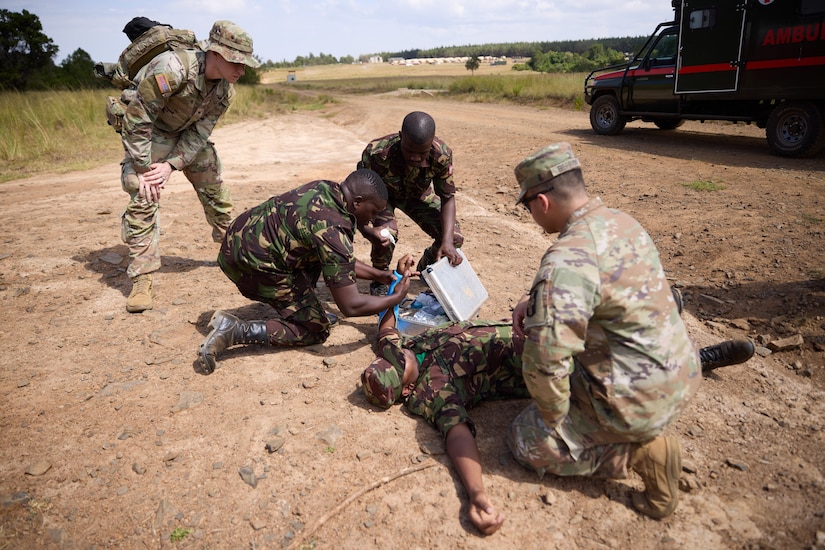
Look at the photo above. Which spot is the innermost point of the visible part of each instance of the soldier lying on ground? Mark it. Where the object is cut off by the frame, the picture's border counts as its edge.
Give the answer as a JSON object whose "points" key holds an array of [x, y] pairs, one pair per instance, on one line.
{"points": [[445, 371]]}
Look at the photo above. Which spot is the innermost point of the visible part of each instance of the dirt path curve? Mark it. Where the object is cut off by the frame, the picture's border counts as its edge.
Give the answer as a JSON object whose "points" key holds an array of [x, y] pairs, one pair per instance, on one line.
{"points": [[135, 443]]}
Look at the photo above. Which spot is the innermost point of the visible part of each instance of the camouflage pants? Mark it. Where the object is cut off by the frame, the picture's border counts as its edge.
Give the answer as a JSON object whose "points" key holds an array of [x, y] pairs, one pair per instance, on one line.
{"points": [[140, 222], [580, 446], [426, 213], [539, 448], [301, 319]]}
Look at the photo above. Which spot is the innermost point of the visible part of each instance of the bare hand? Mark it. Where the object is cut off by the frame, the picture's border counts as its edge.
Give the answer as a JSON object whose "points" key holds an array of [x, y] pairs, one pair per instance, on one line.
{"points": [[406, 264], [484, 515], [519, 313], [152, 181], [450, 251]]}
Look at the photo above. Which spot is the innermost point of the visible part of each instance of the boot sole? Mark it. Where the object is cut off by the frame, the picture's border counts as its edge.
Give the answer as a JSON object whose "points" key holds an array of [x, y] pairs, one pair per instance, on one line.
{"points": [[204, 364]]}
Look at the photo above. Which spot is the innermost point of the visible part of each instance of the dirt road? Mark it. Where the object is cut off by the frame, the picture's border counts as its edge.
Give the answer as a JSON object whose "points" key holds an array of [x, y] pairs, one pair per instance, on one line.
{"points": [[112, 438]]}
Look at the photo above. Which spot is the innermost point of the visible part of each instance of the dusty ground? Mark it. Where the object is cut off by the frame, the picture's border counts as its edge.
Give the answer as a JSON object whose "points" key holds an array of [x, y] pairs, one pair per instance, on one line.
{"points": [[136, 443]]}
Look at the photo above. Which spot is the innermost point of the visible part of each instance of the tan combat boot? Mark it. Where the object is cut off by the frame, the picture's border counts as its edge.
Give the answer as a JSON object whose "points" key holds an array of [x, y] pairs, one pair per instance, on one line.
{"points": [[659, 462], [140, 299]]}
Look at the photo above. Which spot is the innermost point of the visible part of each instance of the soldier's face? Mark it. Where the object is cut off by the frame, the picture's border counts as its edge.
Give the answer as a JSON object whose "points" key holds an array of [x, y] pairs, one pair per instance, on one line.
{"points": [[229, 71], [367, 210], [415, 154]]}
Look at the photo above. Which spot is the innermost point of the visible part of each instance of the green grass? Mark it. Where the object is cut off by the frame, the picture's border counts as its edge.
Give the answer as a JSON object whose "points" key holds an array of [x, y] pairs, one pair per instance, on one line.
{"points": [[705, 185], [54, 131], [179, 534]]}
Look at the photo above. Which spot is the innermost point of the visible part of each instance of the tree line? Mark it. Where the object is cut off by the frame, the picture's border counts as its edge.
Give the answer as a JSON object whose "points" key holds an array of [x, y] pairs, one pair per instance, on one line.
{"points": [[27, 56]]}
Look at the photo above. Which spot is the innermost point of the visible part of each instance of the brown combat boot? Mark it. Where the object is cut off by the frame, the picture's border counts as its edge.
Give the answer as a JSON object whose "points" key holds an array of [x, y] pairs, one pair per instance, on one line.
{"points": [[140, 299], [659, 463], [226, 331]]}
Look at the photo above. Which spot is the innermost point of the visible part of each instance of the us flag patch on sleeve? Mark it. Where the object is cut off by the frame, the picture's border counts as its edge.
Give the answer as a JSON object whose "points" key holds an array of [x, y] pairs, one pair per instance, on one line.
{"points": [[163, 84]]}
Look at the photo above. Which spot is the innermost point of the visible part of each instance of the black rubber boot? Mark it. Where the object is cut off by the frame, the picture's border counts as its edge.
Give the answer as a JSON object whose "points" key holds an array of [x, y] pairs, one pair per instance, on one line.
{"points": [[228, 330], [730, 352]]}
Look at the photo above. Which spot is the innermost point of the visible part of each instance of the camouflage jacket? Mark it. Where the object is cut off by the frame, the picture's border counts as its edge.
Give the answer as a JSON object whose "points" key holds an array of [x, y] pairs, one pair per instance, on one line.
{"points": [[174, 97], [601, 296], [299, 230], [404, 182], [459, 366]]}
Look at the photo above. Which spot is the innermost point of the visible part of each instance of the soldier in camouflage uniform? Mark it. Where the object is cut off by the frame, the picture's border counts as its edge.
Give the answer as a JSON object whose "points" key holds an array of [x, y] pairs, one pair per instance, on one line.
{"points": [[417, 168], [441, 373], [180, 96], [607, 358], [276, 251]]}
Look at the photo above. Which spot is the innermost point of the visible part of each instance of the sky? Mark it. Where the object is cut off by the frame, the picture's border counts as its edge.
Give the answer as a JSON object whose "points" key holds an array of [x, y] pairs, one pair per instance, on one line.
{"points": [[284, 29]]}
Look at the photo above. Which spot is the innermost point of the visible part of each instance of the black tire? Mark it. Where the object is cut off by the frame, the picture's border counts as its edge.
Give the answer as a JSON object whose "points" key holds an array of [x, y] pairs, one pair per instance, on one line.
{"points": [[605, 118], [668, 123], [795, 130]]}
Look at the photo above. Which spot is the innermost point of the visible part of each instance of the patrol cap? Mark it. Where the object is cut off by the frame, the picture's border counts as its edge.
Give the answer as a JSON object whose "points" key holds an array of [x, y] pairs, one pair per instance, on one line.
{"points": [[232, 43], [382, 378], [544, 165]]}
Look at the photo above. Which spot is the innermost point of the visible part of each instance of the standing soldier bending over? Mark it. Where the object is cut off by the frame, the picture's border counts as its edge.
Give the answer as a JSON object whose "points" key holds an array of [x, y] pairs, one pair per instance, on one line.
{"points": [[180, 96]]}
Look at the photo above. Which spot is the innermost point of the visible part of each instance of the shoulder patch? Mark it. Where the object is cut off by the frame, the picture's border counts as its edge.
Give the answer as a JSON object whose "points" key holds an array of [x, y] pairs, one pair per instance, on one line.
{"points": [[163, 84]]}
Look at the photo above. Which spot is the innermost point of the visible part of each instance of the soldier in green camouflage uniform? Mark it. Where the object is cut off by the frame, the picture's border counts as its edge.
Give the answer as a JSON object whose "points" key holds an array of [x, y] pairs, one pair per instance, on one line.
{"points": [[607, 358], [417, 168], [180, 96], [276, 251], [441, 373]]}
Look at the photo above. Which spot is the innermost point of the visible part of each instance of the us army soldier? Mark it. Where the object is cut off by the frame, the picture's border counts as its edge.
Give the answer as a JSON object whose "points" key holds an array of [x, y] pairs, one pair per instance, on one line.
{"points": [[180, 96], [607, 358]]}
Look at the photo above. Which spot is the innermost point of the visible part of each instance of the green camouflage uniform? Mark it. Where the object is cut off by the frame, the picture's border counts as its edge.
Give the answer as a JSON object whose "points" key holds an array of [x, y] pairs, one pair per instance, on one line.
{"points": [[607, 359], [418, 192], [171, 119], [459, 366], [276, 251]]}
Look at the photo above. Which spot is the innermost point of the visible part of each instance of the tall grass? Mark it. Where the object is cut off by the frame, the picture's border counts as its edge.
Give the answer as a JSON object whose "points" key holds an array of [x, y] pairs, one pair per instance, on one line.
{"points": [[60, 131], [564, 89], [56, 131]]}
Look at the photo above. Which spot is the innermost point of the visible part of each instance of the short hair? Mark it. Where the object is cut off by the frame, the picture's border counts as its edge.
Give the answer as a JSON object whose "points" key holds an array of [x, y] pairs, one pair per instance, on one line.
{"points": [[418, 127], [368, 184], [564, 186]]}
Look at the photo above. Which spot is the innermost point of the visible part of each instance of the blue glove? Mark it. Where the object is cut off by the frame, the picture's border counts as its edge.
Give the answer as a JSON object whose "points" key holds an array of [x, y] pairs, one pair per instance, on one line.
{"points": [[396, 277]]}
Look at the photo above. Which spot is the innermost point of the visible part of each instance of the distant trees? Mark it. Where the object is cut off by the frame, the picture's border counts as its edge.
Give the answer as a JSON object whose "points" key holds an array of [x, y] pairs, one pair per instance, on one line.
{"points": [[25, 52], [594, 57]]}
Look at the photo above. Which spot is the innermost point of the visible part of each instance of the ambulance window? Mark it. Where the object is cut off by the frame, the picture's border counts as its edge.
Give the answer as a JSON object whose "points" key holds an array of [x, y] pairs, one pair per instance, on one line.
{"points": [[664, 52], [812, 7], [702, 19]]}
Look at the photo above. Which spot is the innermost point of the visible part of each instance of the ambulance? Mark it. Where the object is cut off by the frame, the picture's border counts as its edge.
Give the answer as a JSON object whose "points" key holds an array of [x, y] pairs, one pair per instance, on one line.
{"points": [[751, 61]]}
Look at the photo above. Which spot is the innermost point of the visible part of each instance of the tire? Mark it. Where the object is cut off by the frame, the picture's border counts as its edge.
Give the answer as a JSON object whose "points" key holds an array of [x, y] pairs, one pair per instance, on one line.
{"points": [[668, 123], [794, 129], [605, 118]]}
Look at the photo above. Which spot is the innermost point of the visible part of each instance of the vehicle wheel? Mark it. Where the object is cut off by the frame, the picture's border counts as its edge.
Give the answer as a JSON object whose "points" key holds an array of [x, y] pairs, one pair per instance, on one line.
{"points": [[795, 129], [605, 118], [668, 123]]}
